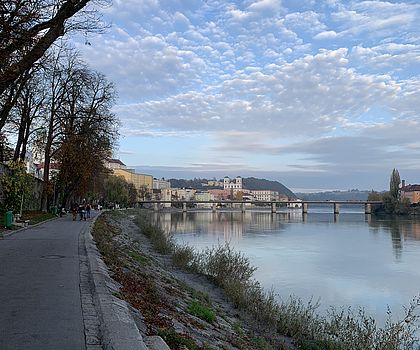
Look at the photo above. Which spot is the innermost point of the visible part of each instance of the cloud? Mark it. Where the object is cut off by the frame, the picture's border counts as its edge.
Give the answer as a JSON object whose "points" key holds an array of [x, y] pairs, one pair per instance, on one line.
{"points": [[376, 19], [316, 92], [302, 86], [387, 56], [329, 34]]}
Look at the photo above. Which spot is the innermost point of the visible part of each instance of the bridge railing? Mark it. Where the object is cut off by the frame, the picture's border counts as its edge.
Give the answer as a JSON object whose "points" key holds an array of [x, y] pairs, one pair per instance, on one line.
{"points": [[304, 205]]}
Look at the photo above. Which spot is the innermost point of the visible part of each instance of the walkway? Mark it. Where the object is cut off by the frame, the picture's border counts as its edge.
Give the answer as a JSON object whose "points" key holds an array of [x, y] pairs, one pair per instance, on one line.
{"points": [[40, 303]]}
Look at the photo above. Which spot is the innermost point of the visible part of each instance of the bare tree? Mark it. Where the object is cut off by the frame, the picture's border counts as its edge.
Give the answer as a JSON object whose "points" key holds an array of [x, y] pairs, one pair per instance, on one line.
{"points": [[28, 109], [90, 134], [29, 27]]}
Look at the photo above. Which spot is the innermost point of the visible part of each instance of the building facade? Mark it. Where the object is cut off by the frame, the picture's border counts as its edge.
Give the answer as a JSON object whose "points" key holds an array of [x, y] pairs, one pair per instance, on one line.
{"points": [[161, 184], [265, 195], [142, 182], [115, 164], [411, 192], [236, 184]]}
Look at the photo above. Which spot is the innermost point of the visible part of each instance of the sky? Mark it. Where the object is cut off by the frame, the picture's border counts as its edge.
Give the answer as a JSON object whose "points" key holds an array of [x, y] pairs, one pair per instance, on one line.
{"points": [[318, 94]]}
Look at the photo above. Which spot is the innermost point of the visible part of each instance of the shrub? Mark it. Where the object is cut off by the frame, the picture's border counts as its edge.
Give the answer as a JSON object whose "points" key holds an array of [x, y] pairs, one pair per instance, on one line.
{"points": [[338, 330], [203, 312]]}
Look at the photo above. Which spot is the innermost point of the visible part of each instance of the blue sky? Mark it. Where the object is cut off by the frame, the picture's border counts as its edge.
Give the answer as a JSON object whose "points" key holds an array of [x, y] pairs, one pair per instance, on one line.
{"points": [[316, 94]]}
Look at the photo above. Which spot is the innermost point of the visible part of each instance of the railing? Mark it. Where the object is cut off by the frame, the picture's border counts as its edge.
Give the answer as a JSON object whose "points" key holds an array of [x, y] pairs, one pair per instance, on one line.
{"points": [[303, 205]]}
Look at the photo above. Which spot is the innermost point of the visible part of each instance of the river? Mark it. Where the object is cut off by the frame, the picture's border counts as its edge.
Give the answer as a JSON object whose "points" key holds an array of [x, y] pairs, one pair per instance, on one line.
{"points": [[350, 259]]}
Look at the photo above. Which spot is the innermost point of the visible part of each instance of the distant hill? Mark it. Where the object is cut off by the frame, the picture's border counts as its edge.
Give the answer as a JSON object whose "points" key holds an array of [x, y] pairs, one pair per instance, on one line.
{"points": [[355, 195], [250, 183]]}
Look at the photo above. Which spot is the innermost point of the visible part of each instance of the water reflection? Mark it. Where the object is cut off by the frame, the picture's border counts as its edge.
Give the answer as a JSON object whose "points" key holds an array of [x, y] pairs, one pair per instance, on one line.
{"points": [[400, 230], [353, 259]]}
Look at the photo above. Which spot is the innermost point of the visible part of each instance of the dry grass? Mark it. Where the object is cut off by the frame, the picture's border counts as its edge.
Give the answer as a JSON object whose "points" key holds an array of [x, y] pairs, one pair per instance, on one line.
{"points": [[338, 330]]}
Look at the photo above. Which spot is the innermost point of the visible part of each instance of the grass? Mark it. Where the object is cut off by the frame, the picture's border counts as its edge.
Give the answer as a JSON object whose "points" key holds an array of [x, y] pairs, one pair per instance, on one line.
{"points": [[340, 329], [35, 217], [175, 340], [201, 311], [141, 259]]}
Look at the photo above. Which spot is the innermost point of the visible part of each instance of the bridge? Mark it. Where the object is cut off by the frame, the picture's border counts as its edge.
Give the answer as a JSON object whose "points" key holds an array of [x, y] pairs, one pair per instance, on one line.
{"points": [[214, 204]]}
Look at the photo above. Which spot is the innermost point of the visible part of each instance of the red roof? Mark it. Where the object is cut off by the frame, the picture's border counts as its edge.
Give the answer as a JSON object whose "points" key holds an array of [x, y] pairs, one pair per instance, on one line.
{"points": [[410, 188]]}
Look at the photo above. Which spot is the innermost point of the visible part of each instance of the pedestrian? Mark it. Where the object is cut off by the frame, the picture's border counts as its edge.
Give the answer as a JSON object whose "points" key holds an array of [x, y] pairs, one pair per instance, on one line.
{"points": [[74, 211], [82, 212], [88, 210]]}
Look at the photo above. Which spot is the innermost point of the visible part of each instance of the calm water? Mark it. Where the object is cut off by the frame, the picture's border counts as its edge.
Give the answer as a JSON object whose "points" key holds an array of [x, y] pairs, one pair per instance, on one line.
{"points": [[347, 260]]}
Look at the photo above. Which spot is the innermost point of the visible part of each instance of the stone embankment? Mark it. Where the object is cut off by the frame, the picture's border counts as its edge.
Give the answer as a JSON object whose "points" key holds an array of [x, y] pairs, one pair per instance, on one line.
{"points": [[144, 299]]}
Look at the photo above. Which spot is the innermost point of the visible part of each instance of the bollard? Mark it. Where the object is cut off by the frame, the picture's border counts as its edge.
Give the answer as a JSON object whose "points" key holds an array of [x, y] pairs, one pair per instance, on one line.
{"points": [[8, 219]]}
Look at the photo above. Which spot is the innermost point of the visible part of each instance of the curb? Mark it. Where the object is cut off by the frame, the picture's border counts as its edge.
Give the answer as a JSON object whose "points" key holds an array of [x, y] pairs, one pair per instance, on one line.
{"points": [[118, 328]]}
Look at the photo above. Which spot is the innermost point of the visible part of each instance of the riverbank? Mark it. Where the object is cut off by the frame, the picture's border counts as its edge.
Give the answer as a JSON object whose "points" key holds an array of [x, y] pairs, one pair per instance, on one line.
{"points": [[183, 308], [172, 303]]}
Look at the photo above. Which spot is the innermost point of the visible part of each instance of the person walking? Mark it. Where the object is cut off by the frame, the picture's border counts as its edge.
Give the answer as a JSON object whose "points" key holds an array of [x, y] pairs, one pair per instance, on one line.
{"points": [[74, 211], [82, 212], [88, 207]]}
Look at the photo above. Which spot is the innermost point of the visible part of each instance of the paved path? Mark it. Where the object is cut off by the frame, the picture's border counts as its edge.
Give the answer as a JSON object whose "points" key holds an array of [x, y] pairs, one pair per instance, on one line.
{"points": [[40, 303]]}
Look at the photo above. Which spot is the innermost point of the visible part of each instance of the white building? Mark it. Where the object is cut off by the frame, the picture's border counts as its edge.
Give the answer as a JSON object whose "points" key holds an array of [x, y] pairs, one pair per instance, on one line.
{"points": [[113, 164], [166, 195], [296, 205], [161, 184], [236, 184], [203, 197], [265, 195], [183, 194], [214, 183]]}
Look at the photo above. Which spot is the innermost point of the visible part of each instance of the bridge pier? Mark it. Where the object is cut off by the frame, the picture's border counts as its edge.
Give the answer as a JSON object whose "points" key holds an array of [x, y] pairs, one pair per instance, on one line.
{"points": [[336, 208], [184, 207], [368, 208], [213, 207], [243, 207], [273, 207], [304, 208], [156, 206]]}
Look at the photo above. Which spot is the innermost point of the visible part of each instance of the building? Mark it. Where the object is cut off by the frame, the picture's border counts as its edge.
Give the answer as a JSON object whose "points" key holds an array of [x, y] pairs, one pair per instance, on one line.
{"points": [[219, 194], [143, 183], [161, 184], [265, 195], [235, 185], [411, 192], [183, 194], [297, 204], [214, 183], [203, 197], [114, 164]]}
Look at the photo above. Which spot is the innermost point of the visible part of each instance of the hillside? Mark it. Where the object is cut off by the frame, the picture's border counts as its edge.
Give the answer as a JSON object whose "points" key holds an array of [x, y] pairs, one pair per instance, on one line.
{"points": [[250, 183]]}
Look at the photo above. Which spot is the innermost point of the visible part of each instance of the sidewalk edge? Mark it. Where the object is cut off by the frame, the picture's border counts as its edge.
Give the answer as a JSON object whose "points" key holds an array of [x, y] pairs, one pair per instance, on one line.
{"points": [[118, 328]]}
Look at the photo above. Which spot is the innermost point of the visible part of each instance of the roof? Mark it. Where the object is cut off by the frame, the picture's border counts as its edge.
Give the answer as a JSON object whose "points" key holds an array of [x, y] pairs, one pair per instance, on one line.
{"points": [[116, 161], [410, 188]]}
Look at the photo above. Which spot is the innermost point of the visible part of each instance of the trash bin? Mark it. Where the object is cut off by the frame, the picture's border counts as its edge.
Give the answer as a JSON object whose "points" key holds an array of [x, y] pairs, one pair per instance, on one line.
{"points": [[54, 210], [8, 219]]}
